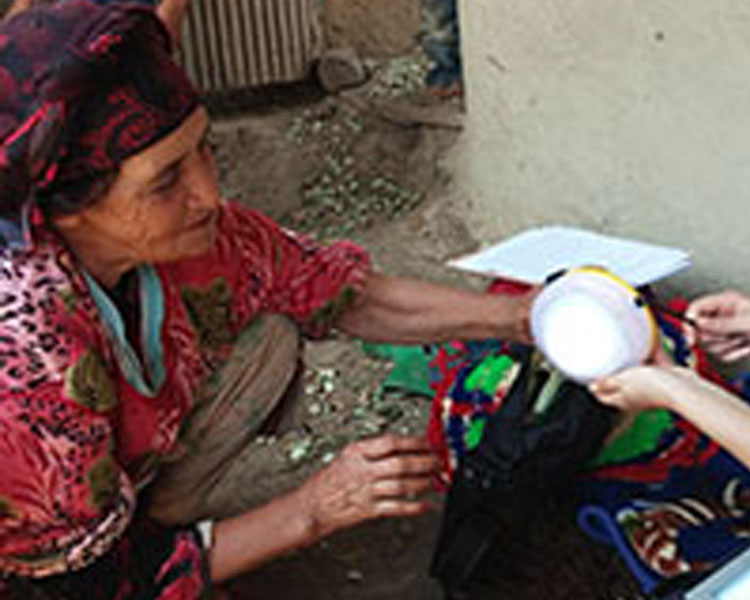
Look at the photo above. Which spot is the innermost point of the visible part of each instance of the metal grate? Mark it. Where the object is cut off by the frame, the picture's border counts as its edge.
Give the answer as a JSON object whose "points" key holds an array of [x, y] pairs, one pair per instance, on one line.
{"points": [[233, 45]]}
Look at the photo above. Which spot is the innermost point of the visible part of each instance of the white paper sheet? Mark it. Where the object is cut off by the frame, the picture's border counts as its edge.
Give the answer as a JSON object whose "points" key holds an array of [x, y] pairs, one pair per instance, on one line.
{"points": [[536, 253]]}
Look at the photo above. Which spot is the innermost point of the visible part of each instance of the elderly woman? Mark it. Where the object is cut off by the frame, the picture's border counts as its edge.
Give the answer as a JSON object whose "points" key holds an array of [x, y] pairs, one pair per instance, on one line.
{"points": [[149, 330]]}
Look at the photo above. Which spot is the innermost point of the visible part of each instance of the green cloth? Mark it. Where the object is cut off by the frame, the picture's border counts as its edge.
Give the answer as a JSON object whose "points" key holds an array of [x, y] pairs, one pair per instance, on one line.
{"points": [[411, 367], [488, 374], [641, 437], [474, 435]]}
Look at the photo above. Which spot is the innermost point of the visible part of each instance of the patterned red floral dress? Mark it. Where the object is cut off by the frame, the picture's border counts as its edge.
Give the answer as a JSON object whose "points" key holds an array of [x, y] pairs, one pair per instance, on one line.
{"points": [[84, 417]]}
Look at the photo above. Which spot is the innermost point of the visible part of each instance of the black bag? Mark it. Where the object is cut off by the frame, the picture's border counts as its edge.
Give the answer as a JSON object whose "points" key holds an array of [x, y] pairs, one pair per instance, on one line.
{"points": [[522, 457]]}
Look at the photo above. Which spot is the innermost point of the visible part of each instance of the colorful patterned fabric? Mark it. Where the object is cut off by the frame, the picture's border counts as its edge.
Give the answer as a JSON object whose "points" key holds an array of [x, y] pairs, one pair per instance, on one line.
{"points": [[666, 497], [470, 381], [150, 562], [82, 88], [84, 416], [678, 507]]}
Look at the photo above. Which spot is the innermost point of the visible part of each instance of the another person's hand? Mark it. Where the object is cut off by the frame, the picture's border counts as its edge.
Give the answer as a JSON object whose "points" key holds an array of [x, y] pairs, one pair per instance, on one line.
{"points": [[379, 477], [643, 387], [723, 321]]}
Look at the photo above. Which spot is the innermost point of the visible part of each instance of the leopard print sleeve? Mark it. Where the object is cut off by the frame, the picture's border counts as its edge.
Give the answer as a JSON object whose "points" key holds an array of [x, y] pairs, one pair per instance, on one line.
{"points": [[63, 498], [67, 508]]}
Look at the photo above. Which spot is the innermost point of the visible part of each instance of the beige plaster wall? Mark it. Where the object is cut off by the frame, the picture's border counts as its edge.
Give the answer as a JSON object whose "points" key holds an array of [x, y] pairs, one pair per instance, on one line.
{"points": [[626, 116]]}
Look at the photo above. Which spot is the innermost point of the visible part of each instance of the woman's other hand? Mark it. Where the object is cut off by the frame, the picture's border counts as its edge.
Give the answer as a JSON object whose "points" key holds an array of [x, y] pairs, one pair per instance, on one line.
{"points": [[657, 385], [634, 389], [378, 477], [723, 322]]}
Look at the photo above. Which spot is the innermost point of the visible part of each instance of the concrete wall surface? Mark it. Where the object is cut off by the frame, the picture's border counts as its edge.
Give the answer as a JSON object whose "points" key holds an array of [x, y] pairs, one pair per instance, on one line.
{"points": [[626, 116]]}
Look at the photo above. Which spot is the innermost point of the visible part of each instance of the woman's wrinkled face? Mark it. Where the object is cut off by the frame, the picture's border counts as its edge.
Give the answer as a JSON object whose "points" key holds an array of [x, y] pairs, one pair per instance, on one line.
{"points": [[163, 205]]}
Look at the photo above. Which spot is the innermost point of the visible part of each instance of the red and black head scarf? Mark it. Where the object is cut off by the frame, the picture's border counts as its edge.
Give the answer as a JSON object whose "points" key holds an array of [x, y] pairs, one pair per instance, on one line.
{"points": [[82, 88]]}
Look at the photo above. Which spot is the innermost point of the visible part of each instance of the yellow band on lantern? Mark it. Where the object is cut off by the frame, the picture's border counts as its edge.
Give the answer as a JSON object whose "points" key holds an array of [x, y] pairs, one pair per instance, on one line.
{"points": [[634, 293]]}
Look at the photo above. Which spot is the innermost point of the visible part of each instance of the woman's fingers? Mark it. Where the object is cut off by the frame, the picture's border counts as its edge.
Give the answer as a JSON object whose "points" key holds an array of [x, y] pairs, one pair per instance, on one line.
{"points": [[717, 305], [608, 391], [734, 354], [406, 465], [395, 508], [724, 328], [372, 478], [604, 387], [728, 349], [404, 487], [399, 456], [723, 322], [387, 445]]}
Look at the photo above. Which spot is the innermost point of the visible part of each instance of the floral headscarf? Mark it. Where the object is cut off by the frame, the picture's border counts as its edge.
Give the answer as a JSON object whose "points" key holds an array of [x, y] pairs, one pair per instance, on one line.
{"points": [[82, 88]]}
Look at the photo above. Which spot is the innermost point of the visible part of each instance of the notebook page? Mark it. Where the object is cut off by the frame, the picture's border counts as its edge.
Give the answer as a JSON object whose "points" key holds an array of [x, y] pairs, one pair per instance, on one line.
{"points": [[536, 253]]}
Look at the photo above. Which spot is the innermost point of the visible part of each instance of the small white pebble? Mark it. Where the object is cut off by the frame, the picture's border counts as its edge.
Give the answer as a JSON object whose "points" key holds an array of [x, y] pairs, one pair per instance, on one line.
{"points": [[354, 575]]}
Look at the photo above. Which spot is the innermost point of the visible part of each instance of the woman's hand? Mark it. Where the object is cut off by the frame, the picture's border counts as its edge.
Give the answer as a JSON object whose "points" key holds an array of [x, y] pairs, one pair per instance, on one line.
{"points": [[644, 387], [723, 322], [641, 387], [379, 477], [634, 389]]}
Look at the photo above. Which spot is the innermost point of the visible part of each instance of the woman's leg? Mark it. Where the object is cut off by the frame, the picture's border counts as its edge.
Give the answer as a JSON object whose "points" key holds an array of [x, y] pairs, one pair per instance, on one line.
{"points": [[254, 390]]}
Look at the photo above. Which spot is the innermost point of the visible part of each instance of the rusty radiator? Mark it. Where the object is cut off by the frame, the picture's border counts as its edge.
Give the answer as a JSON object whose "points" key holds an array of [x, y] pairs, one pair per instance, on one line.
{"points": [[230, 45]]}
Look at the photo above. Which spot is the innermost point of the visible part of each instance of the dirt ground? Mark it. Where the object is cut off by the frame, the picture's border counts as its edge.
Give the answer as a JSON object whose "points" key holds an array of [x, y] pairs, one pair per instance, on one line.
{"points": [[371, 165]]}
